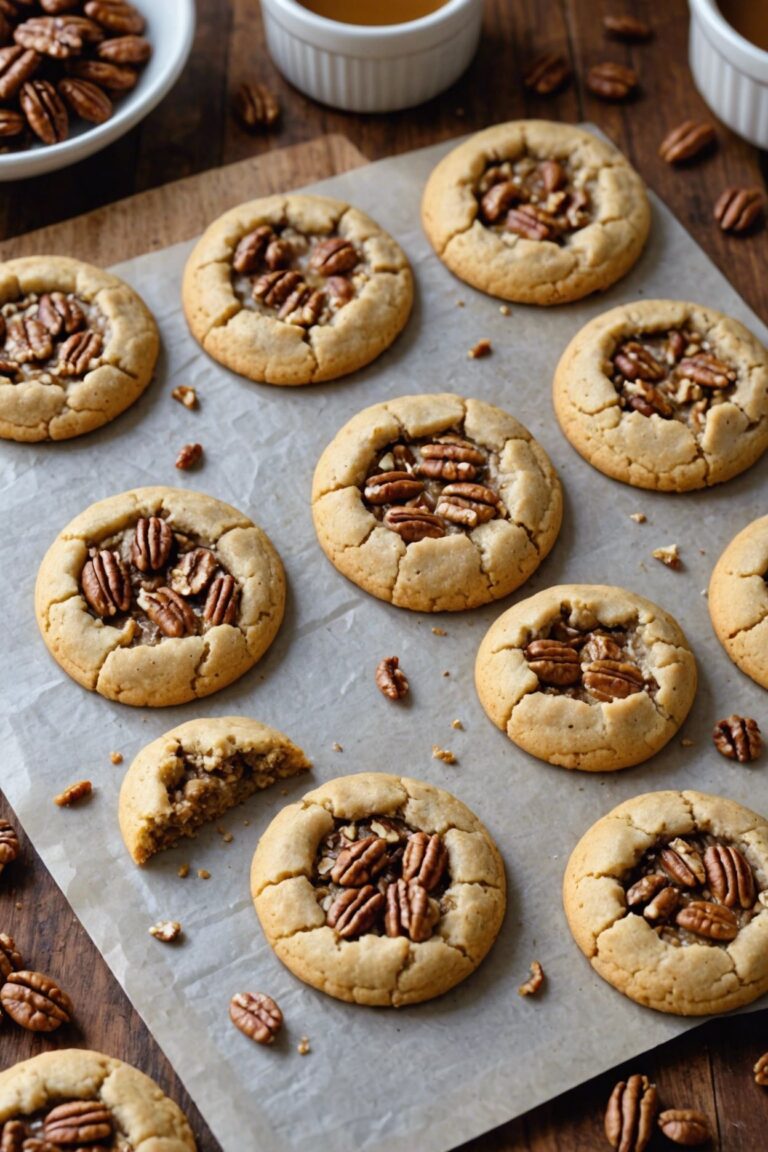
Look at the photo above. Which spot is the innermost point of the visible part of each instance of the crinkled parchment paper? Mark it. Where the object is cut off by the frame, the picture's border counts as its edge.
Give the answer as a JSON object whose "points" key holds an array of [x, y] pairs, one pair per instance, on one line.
{"points": [[433, 1075]]}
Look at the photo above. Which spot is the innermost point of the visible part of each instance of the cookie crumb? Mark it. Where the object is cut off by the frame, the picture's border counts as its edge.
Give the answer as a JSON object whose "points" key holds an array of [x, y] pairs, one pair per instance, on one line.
{"points": [[446, 673], [116, 757], [189, 457], [203, 874], [443, 754], [482, 349], [18, 905], [459, 303], [458, 725], [166, 931], [186, 396], [304, 1048], [686, 743], [505, 310], [74, 793], [336, 747], [227, 837], [534, 982], [669, 555], [439, 632], [183, 871], [705, 592], [246, 823], [638, 517]]}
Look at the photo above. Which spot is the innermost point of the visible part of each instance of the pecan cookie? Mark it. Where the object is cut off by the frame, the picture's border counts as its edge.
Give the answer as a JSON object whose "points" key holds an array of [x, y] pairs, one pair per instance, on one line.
{"points": [[195, 773], [666, 395], [379, 889], [77, 347], [74, 1097], [296, 289], [536, 212], [667, 896], [436, 503], [738, 600], [586, 676], [158, 596]]}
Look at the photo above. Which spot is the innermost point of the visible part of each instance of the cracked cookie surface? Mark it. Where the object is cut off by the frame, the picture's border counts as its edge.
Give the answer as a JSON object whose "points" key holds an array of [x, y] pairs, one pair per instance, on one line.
{"points": [[586, 676], [128, 1113], [686, 961], [738, 600], [536, 212], [197, 772], [159, 595], [296, 289], [77, 347], [693, 414], [436, 503], [407, 912]]}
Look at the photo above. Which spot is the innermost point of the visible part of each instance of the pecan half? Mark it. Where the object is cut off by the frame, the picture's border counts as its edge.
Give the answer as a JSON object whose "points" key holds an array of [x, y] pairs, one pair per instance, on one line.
{"points": [[256, 1015], [645, 889], [685, 1126], [729, 876], [601, 647], [636, 362], [355, 911], [738, 738], [414, 524], [11, 123], [60, 313], [77, 353], [553, 662], [450, 458], [222, 601], [193, 573], [710, 920], [690, 857], [706, 371], [9, 844], [57, 36], [255, 106], [45, 111], [627, 28], [468, 504], [304, 309], [169, 611], [738, 209], [152, 544], [425, 859], [341, 290], [390, 679], [360, 862], [125, 50], [116, 16], [13, 1137], [392, 487], [499, 199], [662, 906], [35, 1002], [761, 1071], [613, 680], [630, 1114], [531, 223], [106, 584], [10, 957], [274, 288], [333, 256], [17, 65], [409, 911], [86, 100], [610, 81], [27, 339], [78, 1122], [547, 74], [688, 141], [113, 77], [251, 248], [678, 868]]}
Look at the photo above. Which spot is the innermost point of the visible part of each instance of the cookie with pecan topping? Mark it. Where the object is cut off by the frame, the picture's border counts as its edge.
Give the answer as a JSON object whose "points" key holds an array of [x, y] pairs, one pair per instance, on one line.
{"points": [[738, 600], [379, 889], [667, 896], [159, 596], [665, 395], [586, 676], [77, 347], [296, 289], [536, 212], [76, 1097], [436, 503]]}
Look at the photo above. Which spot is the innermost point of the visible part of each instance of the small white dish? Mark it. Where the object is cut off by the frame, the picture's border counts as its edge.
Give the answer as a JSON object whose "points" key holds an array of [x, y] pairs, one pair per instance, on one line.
{"points": [[170, 28], [730, 72], [363, 68]]}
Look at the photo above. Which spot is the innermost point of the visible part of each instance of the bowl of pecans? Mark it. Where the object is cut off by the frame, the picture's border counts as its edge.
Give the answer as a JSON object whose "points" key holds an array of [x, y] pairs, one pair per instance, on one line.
{"points": [[75, 75]]}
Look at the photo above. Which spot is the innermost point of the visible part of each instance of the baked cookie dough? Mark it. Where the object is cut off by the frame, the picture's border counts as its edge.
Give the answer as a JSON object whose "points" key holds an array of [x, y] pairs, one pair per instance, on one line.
{"points": [[586, 676], [77, 347], [379, 889], [158, 596], [665, 395], [195, 773], [667, 896], [296, 289], [536, 212], [738, 600], [73, 1097], [436, 503]]}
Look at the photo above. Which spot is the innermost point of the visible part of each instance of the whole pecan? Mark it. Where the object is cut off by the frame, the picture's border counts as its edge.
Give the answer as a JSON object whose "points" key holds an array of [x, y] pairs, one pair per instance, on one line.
{"points": [[688, 141], [425, 859], [390, 678], [499, 199], [761, 1071], [193, 572], [684, 1126], [9, 844], [11, 123], [255, 106], [13, 1139], [152, 544], [169, 611], [678, 868], [645, 889], [662, 905], [113, 77], [10, 958], [737, 209], [60, 313], [274, 288], [468, 504], [409, 912], [78, 1122], [729, 876], [125, 50], [611, 81], [257, 1015], [86, 100], [627, 28], [392, 487], [59, 37], [333, 256], [738, 738], [355, 911], [251, 248], [414, 524], [27, 339], [116, 16], [222, 601], [612, 680], [711, 920], [553, 662], [630, 1114], [360, 862], [636, 362], [17, 65], [531, 223], [547, 74], [599, 646], [106, 584], [35, 1002], [77, 353], [45, 111], [706, 371]]}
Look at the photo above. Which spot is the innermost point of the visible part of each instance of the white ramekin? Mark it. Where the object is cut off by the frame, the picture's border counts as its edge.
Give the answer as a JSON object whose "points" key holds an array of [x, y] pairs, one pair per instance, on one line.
{"points": [[359, 68], [730, 73]]}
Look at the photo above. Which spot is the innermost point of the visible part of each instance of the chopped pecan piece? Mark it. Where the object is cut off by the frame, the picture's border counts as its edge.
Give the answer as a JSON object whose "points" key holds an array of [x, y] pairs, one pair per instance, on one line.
{"points": [[390, 678], [706, 371], [612, 680], [333, 256], [535, 981], [468, 504], [77, 353], [60, 313], [9, 844], [355, 911], [169, 611], [636, 362], [480, 350], [189, 456], [645, 889], [256, 1015], [113, 77], [547, 74], [17, 65], [152, 544], [669, 556], [392, 487], [425, 859], [166, 931], [738, 738], [360, 862], [729, 876], [650, 402], [35, 1002], [78, 1122], [194, 572], [611, 81], [255, 106], [125, 50], [106, 584], [251, 248], [341, 290], [409, 911], [10, 957], [739, 208], [73, 794], [713, 921], [499, 199], [678, 867], [630, 1114], [414, 524], [186, 396], [86, 99], [553, 662], [222, 601], [662, 906], [627, 28], [688, 141], [116, 16], [27, 339], [761, 1071], [531, 223]]}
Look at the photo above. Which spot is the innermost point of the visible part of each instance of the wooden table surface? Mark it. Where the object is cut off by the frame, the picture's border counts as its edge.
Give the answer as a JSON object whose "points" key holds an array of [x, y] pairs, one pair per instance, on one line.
{"points": [[192, 131]]}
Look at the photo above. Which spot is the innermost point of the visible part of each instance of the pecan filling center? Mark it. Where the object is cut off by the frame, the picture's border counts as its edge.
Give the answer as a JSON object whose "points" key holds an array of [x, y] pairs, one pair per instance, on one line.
{"points": [[380, 877], [434, 486], [163, 581], [303, 280], [694, 890], [536, 199], [588, 662], [54, 338], [76, 1123], [673, 374]]}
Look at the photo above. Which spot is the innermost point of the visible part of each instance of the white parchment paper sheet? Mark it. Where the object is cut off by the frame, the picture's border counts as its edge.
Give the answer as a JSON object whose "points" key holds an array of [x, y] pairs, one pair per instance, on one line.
{"points": [[433, 1075]]}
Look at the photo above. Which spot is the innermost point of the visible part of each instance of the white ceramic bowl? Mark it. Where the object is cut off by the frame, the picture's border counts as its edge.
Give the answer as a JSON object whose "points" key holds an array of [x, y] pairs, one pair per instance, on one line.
{"points": [[730, 72], [170, 28], [360, 68]]}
